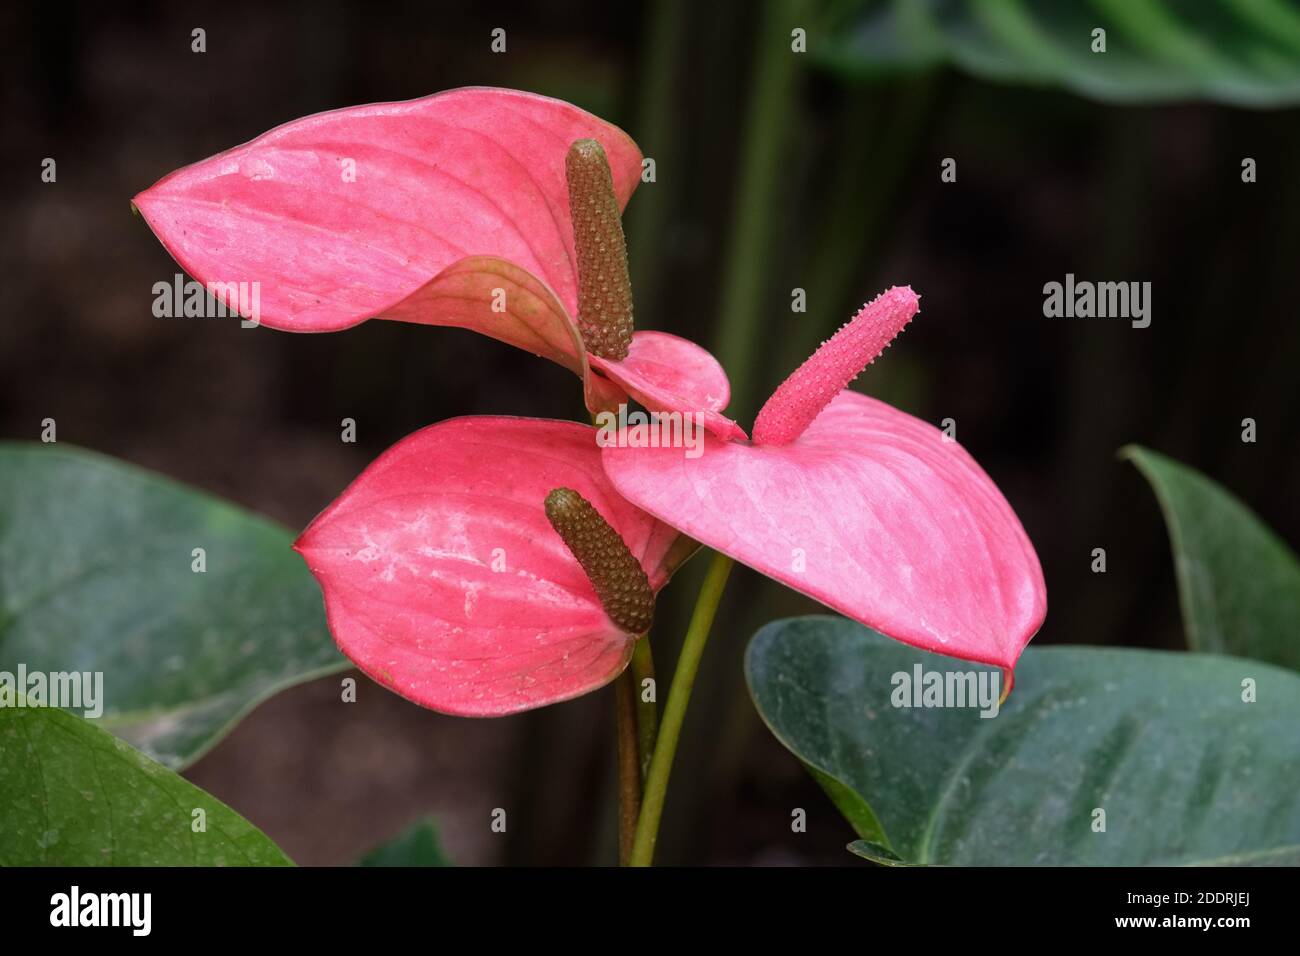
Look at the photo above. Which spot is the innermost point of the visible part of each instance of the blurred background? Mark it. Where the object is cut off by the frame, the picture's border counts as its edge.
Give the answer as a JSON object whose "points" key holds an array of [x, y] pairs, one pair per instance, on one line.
{"points": [[776, 170]]}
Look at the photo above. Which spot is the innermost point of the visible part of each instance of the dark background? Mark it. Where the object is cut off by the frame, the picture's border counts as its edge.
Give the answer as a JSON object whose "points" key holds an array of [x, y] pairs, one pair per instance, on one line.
{"points": [[1048, 183]]}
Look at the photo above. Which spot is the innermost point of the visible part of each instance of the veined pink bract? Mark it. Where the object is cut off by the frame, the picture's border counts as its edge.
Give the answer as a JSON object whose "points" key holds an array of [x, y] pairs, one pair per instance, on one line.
{"points": [[448, 210], [444, 581]]}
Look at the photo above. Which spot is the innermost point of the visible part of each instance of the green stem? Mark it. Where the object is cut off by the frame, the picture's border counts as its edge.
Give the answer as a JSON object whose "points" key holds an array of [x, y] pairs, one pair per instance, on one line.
{"points": [[647, 711], [629, 765], [679, 696]]}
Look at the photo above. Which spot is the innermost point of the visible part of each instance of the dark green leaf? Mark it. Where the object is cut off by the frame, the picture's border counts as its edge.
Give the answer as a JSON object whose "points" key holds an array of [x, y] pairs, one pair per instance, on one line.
{"points": [[418, 845], [73, 795], [1238, 583], [1185, 769], [96, 574], [1245, 52]]}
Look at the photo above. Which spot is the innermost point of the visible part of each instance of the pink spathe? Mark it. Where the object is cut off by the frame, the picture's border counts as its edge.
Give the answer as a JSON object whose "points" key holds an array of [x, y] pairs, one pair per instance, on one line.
{"points": [[444, 580], [343, 214], [667, 373], [448, 210]]}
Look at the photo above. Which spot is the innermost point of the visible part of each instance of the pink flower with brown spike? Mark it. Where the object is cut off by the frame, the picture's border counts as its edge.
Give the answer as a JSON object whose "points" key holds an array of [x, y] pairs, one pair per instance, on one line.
{"points": [[858, 505], [483, 566], [458, 209]]}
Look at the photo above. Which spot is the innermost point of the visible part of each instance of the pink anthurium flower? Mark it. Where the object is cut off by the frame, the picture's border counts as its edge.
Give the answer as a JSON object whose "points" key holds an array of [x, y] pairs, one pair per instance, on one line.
{"points": [[484, 566], [459, 209], [857, 505]]}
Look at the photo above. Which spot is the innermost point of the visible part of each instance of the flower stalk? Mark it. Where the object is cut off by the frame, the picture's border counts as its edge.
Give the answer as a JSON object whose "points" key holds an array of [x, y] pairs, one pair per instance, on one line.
{"points": [[679, 696], [629, 764], [647, 710]]}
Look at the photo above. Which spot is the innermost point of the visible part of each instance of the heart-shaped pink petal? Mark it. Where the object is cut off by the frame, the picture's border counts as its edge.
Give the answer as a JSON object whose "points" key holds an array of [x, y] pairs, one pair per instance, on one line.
{"points": [[869, 511], [341, 215], [448, 210], [444, 580]]}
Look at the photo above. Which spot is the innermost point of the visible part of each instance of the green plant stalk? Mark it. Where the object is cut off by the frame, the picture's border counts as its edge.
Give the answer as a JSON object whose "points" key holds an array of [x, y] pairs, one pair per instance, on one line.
{"points": [[629, 763], [679, 696], [631, 743], [647, 711], [766, 131]]}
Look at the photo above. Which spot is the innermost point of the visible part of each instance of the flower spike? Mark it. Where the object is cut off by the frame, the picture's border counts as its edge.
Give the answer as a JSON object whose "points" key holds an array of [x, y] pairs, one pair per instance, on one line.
{"points": [[604, 287], [838, 361], [615, 574]]}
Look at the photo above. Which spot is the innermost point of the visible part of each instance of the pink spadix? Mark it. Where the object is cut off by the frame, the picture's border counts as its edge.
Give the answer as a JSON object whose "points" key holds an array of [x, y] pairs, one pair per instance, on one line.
{"points": [[839, 360], [858, 505]]}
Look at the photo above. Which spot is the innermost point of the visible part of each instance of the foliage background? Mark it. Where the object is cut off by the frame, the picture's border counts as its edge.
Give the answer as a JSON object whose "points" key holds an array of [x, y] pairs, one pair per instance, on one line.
{"points": [[1048, 183]]}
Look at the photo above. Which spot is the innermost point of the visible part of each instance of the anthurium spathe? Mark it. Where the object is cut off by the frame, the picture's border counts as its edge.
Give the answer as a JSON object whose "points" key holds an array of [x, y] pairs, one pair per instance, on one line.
{"points": [[445, 578], [858, 505], [458, 209]]}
